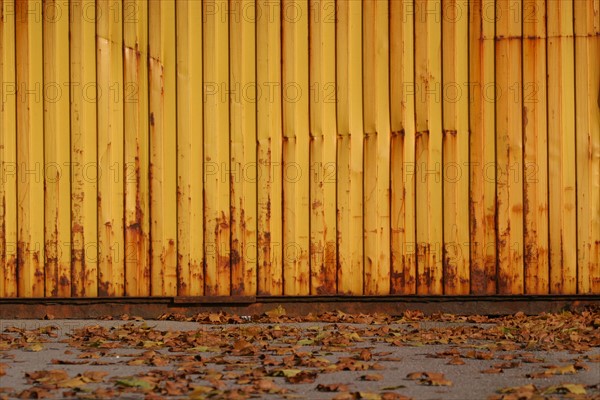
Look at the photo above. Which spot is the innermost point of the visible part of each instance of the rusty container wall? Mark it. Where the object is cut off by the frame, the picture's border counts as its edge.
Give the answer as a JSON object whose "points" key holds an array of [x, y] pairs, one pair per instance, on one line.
{"points": [[299, 148]]}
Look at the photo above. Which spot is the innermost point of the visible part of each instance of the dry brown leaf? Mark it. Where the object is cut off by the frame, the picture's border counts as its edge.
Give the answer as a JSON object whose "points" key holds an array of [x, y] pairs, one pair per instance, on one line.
{"points": [[554, 370], [215, 318], [393, 396], [333, 387], [68, 362], [48, 376], [492, 371], [345, 396], [302, 377], [72, 382], [430, 378], [276, 312], [372, 377], [365, 355], [456, 361], [480, 355], [35, 393], [95, 376], [507, 365]]}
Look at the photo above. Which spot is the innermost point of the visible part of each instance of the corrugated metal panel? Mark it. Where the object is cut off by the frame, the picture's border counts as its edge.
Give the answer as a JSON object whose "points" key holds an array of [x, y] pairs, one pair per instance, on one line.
{"points": [[299, 147]]}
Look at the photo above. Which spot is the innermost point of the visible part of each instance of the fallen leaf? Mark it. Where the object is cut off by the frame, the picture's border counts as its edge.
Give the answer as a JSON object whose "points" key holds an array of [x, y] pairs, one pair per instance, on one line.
{"points": [[518, 389], [48, 376], [288, 373], [430, 378], [456, 361], [480, 355], [564, 370], [425, 375], [35, 347], [35, 393], [369, 396], [393, 396], [276, 312], [345, 396], [372, 377], [566, 388], [507, 365], [332, 387], [68, 362], [213, 317], [136, 382], [302, 377], [95, 376], [72, 383], [365, 355], [492, 371], [394, 387]]}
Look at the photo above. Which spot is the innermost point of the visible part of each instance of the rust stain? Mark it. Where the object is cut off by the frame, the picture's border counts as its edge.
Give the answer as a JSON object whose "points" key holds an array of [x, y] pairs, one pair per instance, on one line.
{"points": [[396, 281], [103, 287], [238, 289], [77, 228], [449, 268], [197, 266], [64, 281], [134, 238], [235, 257], [223, 259], [10, 271], [330, 267]]}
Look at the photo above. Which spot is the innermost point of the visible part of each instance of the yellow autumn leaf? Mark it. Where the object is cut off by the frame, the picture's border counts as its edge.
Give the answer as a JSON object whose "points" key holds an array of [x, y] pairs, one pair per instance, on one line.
{"points": [[35, 347]]}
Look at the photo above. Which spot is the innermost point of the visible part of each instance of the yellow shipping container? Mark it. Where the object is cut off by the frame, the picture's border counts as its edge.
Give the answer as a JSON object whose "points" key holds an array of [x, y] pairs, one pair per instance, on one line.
{"points": [[299, 147]]}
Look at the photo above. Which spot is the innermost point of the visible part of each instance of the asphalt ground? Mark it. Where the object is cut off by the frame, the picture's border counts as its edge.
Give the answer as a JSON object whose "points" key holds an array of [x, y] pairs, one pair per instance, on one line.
{"points": [[423, 359]]}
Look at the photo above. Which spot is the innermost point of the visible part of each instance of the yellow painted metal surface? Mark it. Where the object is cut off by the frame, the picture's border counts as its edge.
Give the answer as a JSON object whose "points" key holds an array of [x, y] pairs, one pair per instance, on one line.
{"points": [[482, 147], [428, 146], [242, 117], [349, 165], [297, 147], [535, 148], [377, 134], [323, 143], [509, 148], [109, 58], [84, 171], [57, 152], [30, 150], [296, 173], [587, 122], [8, 154], [217, 177], [163, 148], [190, 134], [269, 148], [136, 166], [561, 148], [455, 147], [402, 101]]}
